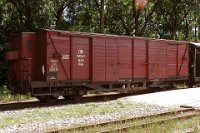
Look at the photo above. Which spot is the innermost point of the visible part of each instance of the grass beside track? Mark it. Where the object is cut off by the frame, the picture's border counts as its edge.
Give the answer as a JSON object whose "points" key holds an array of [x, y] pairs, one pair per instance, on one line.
{"points": [[39, 115], [64, 112]]}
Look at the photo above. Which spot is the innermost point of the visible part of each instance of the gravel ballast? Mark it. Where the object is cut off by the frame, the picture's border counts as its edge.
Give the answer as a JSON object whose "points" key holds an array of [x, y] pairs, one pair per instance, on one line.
{"points": [[34, 120]]}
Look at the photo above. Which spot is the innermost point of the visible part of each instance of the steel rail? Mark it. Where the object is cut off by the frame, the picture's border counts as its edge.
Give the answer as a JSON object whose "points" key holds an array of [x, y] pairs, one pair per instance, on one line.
{"points": [[33, 104], [191, 111], [146, 124], [59, 102]]}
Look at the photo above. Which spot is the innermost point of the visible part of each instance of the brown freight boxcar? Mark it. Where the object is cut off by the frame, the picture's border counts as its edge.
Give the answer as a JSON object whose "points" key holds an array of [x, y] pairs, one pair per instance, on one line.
{"points": [[50, 63]]}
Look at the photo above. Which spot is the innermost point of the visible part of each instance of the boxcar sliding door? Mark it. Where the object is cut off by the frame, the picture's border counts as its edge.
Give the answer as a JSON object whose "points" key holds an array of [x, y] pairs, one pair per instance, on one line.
{"points": [[111, 60], [58, 57], [157, 56], [80, 58], [124, 59]]}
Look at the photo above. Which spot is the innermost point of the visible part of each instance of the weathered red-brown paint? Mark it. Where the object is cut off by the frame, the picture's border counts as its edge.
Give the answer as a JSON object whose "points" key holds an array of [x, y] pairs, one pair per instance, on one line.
{"points": [[64, 56]]}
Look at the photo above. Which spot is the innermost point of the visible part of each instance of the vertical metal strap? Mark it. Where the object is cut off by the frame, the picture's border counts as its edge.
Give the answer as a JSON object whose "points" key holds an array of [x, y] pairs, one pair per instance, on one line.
{"points": [[29, 70], [58, 53], [182, 60]]}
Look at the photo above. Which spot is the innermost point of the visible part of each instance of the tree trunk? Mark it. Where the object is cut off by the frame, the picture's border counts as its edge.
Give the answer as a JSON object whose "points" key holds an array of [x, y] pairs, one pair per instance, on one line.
{"points": [[198, 29], [28, 15], [186, 27], [174, 26], [136, 14], [137, 30], [102, 17], [1, 17], [59, 17]]}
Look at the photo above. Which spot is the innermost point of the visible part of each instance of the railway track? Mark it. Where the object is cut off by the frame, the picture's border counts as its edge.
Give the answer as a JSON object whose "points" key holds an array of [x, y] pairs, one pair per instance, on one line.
{"points": [[136, 122], [60, 102]]}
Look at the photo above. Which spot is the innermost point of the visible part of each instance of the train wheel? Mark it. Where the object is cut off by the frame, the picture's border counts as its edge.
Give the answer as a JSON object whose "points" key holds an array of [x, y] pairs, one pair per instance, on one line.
{"points": [[47, 98], [77, 98], [72, 97], [67, 97]]}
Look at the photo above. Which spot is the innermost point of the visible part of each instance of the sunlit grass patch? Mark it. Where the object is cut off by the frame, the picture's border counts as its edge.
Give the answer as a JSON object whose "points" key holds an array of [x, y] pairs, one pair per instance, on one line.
{"points": [[68, 111]]}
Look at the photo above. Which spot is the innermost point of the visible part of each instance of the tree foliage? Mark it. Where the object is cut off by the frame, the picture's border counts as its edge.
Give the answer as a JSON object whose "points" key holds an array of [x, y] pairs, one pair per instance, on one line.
{"points": [[170, 19]]}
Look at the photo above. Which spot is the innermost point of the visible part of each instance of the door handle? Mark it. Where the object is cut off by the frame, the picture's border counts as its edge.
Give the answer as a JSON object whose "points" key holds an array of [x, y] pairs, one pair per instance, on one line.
{"points": [[147, 63]]}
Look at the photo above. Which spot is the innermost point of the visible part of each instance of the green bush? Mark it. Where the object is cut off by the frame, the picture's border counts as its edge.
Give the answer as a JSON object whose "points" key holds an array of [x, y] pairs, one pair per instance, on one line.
{"points": [[5, 95]]}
